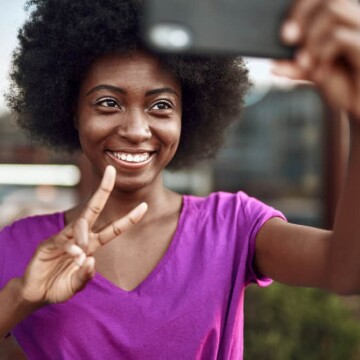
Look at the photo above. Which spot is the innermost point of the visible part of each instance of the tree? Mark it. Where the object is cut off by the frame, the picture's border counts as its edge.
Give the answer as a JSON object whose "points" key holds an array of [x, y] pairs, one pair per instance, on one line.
{"points": [[286, 323]]}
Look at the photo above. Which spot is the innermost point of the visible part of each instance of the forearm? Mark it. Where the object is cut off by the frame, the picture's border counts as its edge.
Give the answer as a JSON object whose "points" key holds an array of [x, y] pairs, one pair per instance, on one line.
{"points": [[13, 307], [344, 248]]}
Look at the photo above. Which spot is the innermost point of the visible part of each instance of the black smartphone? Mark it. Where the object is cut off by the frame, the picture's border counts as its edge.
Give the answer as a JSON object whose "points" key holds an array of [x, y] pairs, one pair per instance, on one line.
{"points": [[237, 27]]}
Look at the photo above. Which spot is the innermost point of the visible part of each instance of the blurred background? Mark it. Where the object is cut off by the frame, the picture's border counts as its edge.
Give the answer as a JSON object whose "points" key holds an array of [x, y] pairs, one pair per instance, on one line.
{"points": [[289, 150]]}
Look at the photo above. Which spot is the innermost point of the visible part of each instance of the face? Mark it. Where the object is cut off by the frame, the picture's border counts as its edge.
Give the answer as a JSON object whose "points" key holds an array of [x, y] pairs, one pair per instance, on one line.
{"points": [[129, 116]]}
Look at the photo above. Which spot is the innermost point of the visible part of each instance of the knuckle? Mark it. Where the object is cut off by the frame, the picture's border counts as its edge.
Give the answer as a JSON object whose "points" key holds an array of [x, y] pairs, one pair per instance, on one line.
{"points": [[105, 189], [117, 230], [99, 240], [94, 209]]}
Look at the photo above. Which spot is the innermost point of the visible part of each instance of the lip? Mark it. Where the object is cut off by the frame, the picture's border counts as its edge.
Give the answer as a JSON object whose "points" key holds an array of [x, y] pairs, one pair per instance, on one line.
{"points": [[131, 165], [131, 150]]}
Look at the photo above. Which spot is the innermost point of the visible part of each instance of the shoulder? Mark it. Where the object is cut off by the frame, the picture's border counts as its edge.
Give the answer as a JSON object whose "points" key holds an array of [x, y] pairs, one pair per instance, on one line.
{"points": [[232, 215], [38, 226], [19, 240], [226, 204]]}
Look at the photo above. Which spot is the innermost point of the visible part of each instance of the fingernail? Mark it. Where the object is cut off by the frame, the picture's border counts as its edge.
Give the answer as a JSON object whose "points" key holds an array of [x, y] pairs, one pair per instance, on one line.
{"points": [[74, 250], [291, 32], [90, 263], [108, 179], [80, 260], [110, 168], [139, 211]]}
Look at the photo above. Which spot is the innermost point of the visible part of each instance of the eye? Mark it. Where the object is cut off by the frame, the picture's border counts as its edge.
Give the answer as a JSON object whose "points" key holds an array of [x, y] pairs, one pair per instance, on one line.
{"points": [[108, 102], [162, 105]]}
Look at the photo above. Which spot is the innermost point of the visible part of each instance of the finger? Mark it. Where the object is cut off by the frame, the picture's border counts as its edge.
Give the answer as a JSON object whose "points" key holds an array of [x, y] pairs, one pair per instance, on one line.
{"points": [[339, 49], [344, 44], [99, 199], [347, 12], [317, 34], [300, 14], [82, 276], [48, 251], [63, 239], [289, 69], [329, 25], [67, 245], [73, 250], [120, 226], [349, 41], [81, 233], [76, 253]]}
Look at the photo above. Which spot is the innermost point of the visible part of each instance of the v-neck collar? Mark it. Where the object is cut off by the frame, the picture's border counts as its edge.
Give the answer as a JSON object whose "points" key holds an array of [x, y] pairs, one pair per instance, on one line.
{"points": [[99, 278]]}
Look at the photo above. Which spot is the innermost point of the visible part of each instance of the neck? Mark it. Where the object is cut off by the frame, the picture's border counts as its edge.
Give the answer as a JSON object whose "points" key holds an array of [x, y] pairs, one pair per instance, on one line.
{"points": [[159, 199]]}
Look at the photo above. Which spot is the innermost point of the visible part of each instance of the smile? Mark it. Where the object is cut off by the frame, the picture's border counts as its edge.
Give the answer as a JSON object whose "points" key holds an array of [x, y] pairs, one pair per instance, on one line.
{"points": [[131, 158]]}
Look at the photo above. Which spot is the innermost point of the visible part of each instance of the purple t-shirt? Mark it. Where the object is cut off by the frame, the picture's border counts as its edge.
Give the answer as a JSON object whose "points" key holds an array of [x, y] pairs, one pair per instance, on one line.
{"points": [[189, 307]]}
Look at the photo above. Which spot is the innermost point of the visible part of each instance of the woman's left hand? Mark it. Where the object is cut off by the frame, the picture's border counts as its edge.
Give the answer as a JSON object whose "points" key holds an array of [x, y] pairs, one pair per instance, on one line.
{"points": [[327, 34]]}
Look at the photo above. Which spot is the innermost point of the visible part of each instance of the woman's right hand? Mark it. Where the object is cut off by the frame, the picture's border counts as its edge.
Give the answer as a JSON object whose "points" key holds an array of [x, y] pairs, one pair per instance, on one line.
{"points": [[63, 264]]}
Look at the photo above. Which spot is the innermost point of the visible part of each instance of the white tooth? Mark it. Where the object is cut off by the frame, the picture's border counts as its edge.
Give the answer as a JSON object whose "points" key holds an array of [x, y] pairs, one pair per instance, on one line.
{"points": [[129, 158], [146, 156], [142, 158], [122, 157], [137, 158]]}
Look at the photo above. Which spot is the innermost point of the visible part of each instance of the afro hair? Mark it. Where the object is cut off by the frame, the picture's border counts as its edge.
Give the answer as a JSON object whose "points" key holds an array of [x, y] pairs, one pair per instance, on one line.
{"points": [[62, 38]]}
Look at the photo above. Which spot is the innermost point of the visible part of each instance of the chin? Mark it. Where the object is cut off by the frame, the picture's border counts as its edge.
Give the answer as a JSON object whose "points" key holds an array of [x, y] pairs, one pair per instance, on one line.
{"points": [[130, 185]]}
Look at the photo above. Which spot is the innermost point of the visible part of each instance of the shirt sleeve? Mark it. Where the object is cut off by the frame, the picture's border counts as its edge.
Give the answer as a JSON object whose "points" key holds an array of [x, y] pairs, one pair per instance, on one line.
{"points": [[3, 237], [19, 241], [256, 214]]}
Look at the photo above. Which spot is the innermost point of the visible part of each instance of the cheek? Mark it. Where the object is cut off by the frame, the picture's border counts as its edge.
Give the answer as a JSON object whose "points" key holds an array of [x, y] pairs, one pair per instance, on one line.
{"points": [[91, 129], [170, 132]]}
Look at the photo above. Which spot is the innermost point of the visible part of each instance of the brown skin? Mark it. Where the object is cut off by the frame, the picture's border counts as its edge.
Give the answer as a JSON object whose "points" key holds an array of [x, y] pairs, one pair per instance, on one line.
{"points": [[132, 117], [329, 34], [141, 112], [10, 350]]}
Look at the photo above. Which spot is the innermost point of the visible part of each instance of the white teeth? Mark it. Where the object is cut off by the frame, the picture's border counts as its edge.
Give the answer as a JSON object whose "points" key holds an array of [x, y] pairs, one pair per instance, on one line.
{"points": [[138, 158]]}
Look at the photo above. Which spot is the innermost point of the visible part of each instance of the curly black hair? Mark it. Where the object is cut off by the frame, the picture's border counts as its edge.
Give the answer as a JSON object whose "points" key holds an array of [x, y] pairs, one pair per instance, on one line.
{"points": [[62, 38]]}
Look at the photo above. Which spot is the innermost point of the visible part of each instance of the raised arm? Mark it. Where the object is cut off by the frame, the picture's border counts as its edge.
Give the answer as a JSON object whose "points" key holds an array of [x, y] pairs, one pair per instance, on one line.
{"points": [[328, 34], [63, 264]]}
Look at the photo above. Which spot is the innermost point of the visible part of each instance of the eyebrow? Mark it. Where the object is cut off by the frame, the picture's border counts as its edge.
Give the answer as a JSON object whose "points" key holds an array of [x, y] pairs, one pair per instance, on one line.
{"points": [[122, 91], [161, 90], [106, 87]]}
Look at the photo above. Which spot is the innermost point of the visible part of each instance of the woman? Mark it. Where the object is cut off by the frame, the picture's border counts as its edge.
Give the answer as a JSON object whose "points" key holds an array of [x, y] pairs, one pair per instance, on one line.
{"points": [[109, 279]]}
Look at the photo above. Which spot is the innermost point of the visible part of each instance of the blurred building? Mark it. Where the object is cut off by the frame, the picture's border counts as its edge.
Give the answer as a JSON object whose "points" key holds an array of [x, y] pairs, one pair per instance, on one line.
{"points": [[277, 152], [25, 188]]}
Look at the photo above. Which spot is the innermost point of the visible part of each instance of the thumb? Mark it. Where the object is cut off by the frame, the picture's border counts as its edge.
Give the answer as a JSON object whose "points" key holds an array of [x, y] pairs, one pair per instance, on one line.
{"points": [[82, 276]]}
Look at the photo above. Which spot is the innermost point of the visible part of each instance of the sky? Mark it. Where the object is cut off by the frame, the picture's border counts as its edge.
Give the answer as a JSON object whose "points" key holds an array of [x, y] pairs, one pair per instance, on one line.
{"points": [[12, 16]]}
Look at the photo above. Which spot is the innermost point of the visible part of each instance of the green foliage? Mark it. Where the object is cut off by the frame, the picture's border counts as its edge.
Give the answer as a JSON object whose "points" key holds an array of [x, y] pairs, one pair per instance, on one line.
{"points": [[286, 323]]}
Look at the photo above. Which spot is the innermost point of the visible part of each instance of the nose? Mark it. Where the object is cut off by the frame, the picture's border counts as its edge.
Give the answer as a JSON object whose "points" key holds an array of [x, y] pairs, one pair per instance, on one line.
{"points": [[134, 127]]}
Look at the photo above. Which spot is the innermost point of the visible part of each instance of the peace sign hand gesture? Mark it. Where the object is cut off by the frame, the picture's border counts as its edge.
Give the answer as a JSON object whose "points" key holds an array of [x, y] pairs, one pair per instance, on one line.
{"points": [[63, 264]]}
